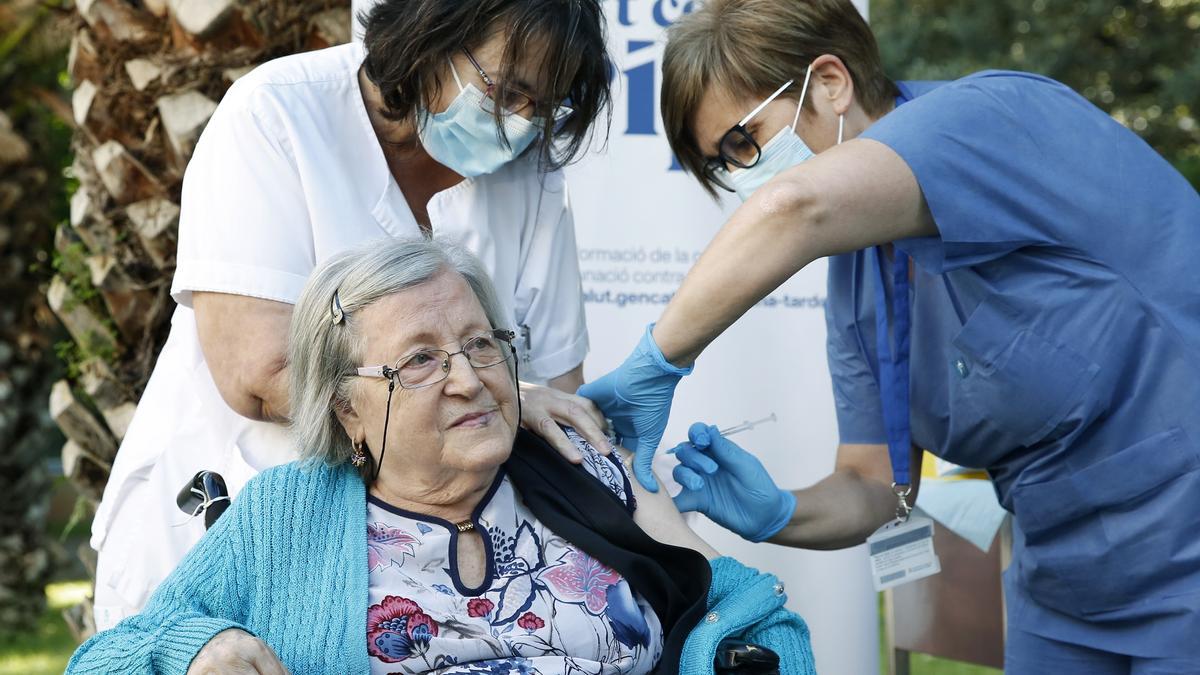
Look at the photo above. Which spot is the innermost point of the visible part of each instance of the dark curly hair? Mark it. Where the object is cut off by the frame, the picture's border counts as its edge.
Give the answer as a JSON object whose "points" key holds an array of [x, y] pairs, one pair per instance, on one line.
{"points": [[409, 41]]}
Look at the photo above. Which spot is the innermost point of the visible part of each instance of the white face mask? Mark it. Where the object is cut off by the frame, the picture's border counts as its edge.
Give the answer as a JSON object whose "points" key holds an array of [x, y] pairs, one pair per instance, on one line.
{"points": [[785, 150], [464, 137]]}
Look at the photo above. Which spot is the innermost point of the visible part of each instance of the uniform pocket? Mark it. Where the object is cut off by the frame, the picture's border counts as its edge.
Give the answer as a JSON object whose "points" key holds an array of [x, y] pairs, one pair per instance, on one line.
{"points": [[1021, 382], [1102, 537]]}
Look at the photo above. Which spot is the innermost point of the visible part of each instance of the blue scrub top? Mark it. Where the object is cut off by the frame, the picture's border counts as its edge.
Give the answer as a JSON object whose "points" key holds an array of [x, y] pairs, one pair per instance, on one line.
{"points": [[1055, 342]]}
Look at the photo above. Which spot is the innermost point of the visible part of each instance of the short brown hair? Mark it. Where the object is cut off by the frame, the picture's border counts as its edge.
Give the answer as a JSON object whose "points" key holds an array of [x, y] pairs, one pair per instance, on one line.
{"points": [[750, 47], [408, 41]]}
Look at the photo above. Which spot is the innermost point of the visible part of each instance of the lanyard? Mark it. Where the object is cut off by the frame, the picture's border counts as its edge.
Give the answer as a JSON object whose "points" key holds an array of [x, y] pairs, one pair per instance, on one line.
{"points": [[893, 369]]}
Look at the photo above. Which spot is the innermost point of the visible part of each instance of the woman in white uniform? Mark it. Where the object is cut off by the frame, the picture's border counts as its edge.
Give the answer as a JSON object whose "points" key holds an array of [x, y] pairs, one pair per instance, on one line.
{"points": [[452, 119]]}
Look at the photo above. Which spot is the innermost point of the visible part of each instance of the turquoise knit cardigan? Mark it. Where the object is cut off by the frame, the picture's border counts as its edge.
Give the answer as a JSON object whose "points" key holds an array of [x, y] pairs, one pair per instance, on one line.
{"points": [[288, 563]]}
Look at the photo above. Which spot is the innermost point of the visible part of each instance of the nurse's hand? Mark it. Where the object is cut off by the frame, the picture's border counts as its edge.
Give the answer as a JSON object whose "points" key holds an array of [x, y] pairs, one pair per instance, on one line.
{"points": [[729, 485], [544, 409], [236, 651], [637, 398]]}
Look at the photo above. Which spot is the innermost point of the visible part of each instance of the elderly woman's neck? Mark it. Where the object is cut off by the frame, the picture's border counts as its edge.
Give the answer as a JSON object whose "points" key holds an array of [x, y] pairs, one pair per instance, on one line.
{"points": [[450, 496]]}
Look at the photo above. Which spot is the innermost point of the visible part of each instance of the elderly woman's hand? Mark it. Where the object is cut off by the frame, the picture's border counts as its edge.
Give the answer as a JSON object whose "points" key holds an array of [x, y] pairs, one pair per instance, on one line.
{"points": [[236, 651], [543, 409]]}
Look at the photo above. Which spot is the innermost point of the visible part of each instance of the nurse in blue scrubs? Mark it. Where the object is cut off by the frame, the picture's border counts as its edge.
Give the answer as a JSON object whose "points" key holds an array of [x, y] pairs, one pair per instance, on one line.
{"points": [[1014, 284]]}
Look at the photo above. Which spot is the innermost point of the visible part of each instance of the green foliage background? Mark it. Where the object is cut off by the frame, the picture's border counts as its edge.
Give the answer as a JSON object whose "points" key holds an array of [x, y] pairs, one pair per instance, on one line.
{"points": [[1139, 60], [32, 200]]}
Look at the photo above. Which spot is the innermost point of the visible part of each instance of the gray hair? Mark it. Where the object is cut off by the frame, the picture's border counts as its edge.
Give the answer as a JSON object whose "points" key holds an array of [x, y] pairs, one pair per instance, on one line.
{"points": [[324, 345]]}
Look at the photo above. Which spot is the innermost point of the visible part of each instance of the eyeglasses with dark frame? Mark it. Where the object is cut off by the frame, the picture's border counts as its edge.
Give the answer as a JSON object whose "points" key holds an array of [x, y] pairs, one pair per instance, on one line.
{"points": [[427, 367], [738, 147], [516, 102]]}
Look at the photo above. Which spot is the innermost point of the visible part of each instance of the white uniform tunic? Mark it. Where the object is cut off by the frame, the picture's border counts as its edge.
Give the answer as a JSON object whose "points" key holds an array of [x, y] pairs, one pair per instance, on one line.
{"points": [[287, 173]]}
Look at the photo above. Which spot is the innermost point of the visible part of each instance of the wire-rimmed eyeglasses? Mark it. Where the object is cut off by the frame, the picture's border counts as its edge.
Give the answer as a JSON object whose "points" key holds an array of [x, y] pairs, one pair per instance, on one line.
{"points": [[516, 102], [427, 367]]}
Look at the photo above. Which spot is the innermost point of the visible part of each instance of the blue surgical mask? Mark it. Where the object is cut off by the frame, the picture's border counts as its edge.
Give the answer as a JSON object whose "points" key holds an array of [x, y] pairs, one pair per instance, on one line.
{"points": [[464, 137], [785, 150]]}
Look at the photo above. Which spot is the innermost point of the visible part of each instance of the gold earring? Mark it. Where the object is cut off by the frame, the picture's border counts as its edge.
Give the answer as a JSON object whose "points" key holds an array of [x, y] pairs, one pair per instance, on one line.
{"points": [[358, 458]]}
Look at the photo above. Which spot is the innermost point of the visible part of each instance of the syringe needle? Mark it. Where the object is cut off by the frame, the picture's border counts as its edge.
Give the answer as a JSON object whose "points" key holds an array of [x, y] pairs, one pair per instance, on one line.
{"points": [[745, 426]]}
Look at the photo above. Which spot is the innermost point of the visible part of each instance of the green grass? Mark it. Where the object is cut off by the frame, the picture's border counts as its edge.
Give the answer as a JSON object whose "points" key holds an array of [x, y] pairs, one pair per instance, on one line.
{"points": [[47, 648], [923, 664]]}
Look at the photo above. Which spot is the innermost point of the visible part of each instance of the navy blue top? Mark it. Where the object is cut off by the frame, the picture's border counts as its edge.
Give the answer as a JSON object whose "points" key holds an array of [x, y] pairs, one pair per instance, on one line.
{"points": [[1055, 342]]}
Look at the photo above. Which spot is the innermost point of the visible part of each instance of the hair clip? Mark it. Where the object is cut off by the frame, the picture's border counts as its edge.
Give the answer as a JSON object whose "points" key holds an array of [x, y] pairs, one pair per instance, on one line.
{"points": [[335, 308]]}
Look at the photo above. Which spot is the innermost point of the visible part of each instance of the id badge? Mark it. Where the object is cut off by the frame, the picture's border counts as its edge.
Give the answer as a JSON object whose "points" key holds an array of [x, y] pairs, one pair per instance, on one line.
{"points": [[902, 551]]}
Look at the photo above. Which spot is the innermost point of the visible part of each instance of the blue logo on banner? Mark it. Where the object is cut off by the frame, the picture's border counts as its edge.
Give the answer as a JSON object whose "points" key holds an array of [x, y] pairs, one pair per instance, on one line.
{"points": [[660, 17], [640, 79]]}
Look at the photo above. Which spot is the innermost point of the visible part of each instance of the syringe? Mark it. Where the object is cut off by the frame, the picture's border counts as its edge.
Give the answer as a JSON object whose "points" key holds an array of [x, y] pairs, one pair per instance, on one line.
{"points": [[745, 426], [727, 431]]}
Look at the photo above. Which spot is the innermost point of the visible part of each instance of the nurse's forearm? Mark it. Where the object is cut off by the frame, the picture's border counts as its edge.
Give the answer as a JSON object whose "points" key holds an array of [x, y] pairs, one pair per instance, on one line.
{"points": [[856, 195], [263, 398], [244, 341], [274, 405], [840, 511], [761, 246], [846, 507]]}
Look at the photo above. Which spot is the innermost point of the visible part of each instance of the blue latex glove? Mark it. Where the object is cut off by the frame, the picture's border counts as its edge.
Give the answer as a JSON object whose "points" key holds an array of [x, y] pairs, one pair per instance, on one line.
{"points": [[637, 398], [729, 485]]}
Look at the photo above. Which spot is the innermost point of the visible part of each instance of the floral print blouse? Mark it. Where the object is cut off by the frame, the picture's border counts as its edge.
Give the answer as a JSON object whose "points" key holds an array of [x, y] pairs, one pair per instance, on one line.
{"points": [[544, 606]]}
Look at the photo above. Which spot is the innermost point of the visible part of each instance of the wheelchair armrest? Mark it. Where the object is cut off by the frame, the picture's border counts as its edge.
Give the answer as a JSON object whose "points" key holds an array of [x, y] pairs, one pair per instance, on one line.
{"points": [[745, 658], [205, 493]]}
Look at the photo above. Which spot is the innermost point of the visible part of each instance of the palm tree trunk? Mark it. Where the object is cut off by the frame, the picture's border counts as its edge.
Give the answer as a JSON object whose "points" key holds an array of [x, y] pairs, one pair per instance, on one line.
{"points": [[147, 76]]}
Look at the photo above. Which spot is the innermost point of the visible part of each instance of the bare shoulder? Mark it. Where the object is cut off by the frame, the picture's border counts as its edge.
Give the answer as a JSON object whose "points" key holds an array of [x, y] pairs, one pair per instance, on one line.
{"points": [[654, 512], [657, 516]]}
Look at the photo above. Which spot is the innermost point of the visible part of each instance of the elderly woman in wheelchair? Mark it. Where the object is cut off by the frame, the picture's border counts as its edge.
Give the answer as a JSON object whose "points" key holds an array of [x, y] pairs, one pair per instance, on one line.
{"points": [[426, 532]]}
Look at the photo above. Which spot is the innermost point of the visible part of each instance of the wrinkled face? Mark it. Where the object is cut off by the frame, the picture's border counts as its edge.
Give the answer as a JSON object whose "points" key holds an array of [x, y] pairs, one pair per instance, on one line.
{"points": [[466, 422]]}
